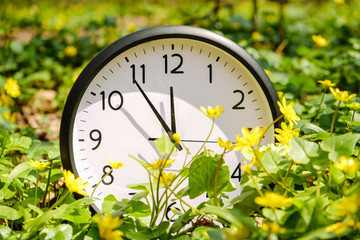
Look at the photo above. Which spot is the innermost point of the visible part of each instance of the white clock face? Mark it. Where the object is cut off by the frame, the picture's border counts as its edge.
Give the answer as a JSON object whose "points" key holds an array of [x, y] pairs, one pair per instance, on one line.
{"points": [[113, 119]]}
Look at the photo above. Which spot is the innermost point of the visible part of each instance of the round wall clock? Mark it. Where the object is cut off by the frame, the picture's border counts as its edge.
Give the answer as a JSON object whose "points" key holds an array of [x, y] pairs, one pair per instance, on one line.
{"points": [[154, 81]]}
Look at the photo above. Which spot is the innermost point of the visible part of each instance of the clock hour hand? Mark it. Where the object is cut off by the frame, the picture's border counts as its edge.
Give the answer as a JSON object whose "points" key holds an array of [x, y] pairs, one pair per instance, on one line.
{"points": [[158, 116], [172, 106]]}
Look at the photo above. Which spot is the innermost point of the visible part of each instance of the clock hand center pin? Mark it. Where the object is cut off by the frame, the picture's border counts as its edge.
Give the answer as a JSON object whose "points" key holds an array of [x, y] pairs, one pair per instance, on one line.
{"points": [[157, 114]]}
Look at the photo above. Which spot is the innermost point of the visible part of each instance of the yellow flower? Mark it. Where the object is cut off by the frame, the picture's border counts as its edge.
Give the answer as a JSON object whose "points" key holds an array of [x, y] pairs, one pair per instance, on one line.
{"points": [[5, 99], [70, 51], [336, 228], [10, 116], [164, 178], [288, 111], [267, 71], [342, 96], [37, 165], [246, 167], [348, 165], [286, 133], [213, 113], [327, 83], [74, 184], [227, 144], [339, 1], [12, 88], [107, 226], [160, 164], [272, 228], [353, 105], [273, 200], [176, 138], [347, 206], [114, 164], [320, 40], [237, 232], [248, 139]]}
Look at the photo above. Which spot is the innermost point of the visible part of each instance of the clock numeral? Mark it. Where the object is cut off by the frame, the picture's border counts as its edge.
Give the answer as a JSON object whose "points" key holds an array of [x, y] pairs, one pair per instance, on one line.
{"points": [[175, 70], [169, 210], [142, 66], [95, 135], [237, 106], [105, 171], [114, 96], [237, 172], [210, 72]]}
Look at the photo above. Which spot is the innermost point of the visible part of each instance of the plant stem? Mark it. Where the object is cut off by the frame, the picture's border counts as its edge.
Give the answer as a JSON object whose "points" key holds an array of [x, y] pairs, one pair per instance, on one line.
{"points": [[60, 200], [195, 209], [333, 120], [216, 178], [212, 127], [47, 184], [352, 120], [288, 171], [36, 187], [321, 102], [101, 181], [318, 185], [267, 129]]}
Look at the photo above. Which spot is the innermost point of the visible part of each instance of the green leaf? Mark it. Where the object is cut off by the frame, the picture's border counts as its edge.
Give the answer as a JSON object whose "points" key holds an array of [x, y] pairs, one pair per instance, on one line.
{"points": [[20, 170], [342, 145], [138, 209], [79, 216], [302, 150], [60, 232], [232, 216], [182, 221], [9, 213], [245, 201], [303, 83], [5, 232], [108, 203], [270, 162], [39, 148], [202, 178], [18, 142], [164, 145], [337, 176]]}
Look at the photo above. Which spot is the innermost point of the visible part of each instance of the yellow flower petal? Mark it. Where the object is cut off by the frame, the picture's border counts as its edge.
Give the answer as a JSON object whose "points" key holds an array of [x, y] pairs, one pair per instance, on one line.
{"points": [[288, 111], [320, 40], [273, 200], [74, 184], [37, 165], [114, 164], [12, 88], [107, 226], [327, 83], [342, 96], [211, 112]]}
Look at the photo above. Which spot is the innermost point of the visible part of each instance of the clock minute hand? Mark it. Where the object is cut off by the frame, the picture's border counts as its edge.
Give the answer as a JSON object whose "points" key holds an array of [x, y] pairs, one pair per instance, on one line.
{"points": [[158, 116]]}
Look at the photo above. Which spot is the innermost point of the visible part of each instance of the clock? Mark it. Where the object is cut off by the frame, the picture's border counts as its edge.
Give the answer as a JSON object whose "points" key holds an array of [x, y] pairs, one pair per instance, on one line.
{"points": [[154, 81]]}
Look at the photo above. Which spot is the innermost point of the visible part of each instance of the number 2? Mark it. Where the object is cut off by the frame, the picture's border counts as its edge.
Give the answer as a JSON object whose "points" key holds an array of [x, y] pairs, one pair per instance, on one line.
{"points": [[237, 106]]}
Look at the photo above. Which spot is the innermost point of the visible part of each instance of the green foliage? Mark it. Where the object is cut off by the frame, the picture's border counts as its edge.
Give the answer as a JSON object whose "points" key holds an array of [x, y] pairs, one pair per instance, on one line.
{"points": [[314, 176]]}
